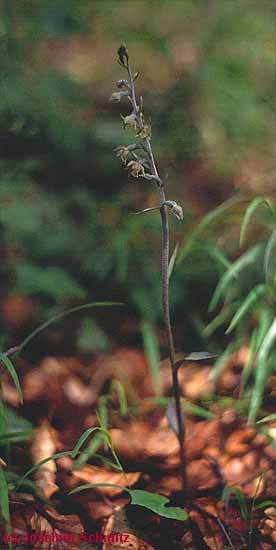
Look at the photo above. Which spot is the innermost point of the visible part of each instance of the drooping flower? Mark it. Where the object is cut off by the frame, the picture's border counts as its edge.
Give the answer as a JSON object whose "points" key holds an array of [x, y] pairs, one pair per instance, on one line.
{"points": [[144, 132], [130, 121], [136, 168], [122, 152]]}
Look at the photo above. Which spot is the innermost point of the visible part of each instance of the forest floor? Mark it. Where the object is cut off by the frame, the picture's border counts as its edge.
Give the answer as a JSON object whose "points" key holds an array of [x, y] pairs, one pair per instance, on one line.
{"points": [[63, 397]]}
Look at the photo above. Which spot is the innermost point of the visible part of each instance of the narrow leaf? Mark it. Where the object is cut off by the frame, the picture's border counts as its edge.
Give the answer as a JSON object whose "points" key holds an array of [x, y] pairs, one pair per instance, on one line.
{"points": [[262, 371], [254, 295], [9, 366], [172, 260], [200, 356], [265, 504], [226, 495], [206, 222], [249, 257], [269, 257], [64, 314], [253, 206], [152, 354], [145, 211], [4, 499], [269, 418]]}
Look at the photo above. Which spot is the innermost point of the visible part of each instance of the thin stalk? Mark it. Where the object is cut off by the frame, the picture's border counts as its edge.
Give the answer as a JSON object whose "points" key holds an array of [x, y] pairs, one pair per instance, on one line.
{"points": [[165, 278]]}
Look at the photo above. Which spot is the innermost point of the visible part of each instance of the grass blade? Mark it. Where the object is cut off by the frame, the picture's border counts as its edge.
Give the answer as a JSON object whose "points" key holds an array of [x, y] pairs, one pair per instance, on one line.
{"points": [[152, 354], [262, 372], [210, 218], [62, 315], [249, 257], [251, 209], [254, 295], [269, 257], [4, 499]]}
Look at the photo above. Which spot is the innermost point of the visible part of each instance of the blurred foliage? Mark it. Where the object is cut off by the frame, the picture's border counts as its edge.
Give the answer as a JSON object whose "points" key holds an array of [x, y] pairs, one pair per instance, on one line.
{"points": [[206, 74]]}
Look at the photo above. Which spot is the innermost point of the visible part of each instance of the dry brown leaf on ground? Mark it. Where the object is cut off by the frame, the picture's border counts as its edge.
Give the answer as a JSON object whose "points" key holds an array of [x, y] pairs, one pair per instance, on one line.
{"points": [[55, 531], [127, 365], [95, 474], [44, 445]]}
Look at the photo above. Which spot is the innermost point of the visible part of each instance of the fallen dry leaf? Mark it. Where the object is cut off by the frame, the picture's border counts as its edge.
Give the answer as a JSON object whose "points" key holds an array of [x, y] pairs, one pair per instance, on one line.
{"points": [[43, 446], [53, 531], [95, 474]]}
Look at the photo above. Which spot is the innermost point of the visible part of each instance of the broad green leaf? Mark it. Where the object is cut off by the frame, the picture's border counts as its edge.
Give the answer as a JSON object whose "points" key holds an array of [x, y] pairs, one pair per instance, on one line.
{"points": [[254, 295], [154, 502], [253, 206], [249, 257], [4, 498], [9, 366], [228, 491], [152, 354]]}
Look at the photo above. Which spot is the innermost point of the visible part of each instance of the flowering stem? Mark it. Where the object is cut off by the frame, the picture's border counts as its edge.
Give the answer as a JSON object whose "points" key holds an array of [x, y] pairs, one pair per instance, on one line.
{"points": [[164, 272]]}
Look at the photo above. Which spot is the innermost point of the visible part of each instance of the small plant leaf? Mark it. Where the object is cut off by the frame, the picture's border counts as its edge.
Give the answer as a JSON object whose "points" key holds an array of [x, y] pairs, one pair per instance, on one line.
{"points": [[9, 366], [251, 209], [152, 501], [254, 295], [226, 495], [156, 503]]}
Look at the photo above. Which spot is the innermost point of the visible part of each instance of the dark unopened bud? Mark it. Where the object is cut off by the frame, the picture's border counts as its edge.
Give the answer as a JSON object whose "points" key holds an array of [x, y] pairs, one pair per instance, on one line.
{"points": [[123, 55]]}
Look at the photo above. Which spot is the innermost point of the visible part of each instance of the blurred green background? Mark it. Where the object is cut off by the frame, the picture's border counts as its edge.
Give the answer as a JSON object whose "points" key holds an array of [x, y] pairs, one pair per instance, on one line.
{"points": [[206, 77]]}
